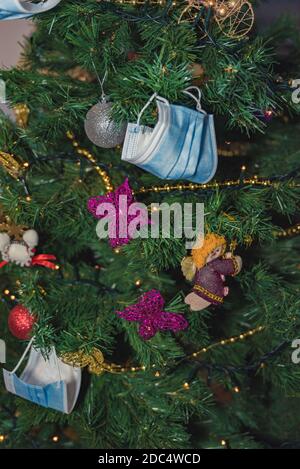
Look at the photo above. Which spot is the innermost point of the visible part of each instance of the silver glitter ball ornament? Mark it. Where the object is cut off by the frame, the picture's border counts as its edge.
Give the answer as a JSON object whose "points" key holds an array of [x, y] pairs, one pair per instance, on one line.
{"points": [[100, 128]]}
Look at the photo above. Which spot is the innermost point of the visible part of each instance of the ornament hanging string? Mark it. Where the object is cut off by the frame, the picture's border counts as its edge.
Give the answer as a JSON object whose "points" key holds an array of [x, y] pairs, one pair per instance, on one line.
{"points": [[101, 82]]}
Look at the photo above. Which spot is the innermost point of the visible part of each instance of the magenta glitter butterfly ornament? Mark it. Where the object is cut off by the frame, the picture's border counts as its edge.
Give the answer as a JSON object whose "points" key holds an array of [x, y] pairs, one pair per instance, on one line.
{"points": [[124, 215], [148, 311]]}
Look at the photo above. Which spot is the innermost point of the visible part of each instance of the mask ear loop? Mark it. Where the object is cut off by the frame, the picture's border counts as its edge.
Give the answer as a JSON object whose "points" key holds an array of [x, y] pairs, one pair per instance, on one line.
{"points": [[191, 95], [23, 356], [155, 95], [145, 107], [57, 364]]}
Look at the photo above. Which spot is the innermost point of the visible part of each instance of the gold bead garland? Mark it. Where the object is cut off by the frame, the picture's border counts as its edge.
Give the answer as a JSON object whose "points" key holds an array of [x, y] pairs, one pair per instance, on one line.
{"points": [[231, 340], [97, 365], [288, 232], [88, 155], [254, 182]]}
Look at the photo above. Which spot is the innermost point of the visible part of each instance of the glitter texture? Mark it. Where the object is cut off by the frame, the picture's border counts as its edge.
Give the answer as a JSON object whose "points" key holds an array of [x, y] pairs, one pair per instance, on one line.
{"points": [[114, 227], [211, 278], [20, 322], [101, 129], [149, 313]]}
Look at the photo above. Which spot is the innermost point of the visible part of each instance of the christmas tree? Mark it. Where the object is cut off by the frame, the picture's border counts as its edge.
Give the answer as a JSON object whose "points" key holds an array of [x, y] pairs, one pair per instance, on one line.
{"points": [[165, 356]]}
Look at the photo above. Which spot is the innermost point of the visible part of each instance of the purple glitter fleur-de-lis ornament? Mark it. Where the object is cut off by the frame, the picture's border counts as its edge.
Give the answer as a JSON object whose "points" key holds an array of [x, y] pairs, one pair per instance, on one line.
{"points": [[148, 311], [126, 210]]}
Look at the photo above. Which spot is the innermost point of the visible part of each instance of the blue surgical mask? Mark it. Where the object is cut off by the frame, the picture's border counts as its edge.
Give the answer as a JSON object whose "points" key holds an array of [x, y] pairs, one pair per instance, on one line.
{"points": [[47, 382], [182, 145], [15, 9]]}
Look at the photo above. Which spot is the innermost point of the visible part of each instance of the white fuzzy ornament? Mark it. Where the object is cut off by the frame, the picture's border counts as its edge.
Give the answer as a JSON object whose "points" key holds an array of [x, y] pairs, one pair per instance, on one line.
{"points": [[19, 252], [4, 241], [31, 238]]}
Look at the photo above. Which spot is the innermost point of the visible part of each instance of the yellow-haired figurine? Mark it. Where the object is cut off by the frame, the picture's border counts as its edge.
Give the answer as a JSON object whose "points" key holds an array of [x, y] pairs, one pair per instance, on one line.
{"points": [[207, 266]]}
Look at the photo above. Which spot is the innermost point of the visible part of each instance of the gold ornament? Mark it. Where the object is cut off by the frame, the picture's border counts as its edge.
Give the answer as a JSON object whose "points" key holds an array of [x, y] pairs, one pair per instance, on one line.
{"points": [[191, 11], [22, 112], [11, 165], [235, 18], [94, 361], [191, 14]]}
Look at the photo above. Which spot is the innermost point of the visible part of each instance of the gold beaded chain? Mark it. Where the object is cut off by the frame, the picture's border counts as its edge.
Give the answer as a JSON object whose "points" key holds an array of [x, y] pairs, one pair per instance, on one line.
{"points": [[254, 181], [231, 340], [97, 365], [288, 232], [89, 156]]}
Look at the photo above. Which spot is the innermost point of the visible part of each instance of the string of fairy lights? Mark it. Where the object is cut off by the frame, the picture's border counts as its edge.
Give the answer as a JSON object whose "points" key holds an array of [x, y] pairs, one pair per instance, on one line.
{"points": [[254, 181], [16, 168], [97, 365], [95, 361]]}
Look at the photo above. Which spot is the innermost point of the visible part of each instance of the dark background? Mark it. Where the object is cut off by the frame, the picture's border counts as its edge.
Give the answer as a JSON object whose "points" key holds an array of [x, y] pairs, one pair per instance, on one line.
{"points": [[270, 10]]}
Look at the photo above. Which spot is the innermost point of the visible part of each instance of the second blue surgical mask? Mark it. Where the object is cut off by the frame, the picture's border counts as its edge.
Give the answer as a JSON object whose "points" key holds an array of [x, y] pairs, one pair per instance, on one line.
{"points": [[182, 145]]}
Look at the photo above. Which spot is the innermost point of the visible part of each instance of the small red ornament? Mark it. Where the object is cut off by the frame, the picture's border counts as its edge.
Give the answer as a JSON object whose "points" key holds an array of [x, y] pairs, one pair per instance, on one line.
{"points": [[20, 322]]}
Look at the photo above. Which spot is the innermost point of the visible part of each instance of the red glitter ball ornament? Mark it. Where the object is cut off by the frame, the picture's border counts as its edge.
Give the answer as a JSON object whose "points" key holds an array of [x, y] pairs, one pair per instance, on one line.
{"points": [[20, 322]]}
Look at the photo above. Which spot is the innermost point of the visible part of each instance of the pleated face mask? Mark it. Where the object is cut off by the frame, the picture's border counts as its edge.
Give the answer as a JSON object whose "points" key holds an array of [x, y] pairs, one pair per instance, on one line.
{"points": [[182, 145], [47, 382], [15, 9]]}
